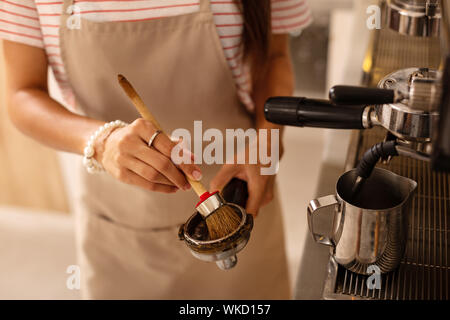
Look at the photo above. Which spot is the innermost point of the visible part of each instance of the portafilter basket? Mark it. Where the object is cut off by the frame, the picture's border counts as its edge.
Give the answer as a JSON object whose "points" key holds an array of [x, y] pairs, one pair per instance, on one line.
{"points": [[222, 251]]}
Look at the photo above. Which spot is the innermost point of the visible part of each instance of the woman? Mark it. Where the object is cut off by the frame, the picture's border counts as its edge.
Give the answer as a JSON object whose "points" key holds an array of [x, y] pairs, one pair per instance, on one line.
{"points": [[189, 60]]}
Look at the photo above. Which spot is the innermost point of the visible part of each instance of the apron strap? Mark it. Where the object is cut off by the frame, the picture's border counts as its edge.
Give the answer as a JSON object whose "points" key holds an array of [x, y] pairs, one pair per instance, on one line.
{"points": [[205, 6], [66, 13], [66, 5]]}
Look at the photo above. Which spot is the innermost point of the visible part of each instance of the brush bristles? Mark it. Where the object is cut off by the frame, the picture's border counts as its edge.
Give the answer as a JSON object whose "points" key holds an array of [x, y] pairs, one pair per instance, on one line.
{"points": [[222, 222]]}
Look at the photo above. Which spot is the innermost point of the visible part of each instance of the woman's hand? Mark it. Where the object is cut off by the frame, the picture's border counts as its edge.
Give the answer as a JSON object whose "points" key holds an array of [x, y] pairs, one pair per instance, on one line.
{"points": [[125, 154], [260, 188]]}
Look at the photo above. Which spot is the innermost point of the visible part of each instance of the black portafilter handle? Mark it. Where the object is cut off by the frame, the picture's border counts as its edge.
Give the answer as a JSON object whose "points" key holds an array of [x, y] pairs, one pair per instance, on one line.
{"points": [[236, 192], [304, 112], [373, 155], [351, 95]]}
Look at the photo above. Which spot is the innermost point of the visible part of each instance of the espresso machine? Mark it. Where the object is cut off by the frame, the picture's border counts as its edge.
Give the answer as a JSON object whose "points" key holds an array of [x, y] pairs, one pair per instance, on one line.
{"points": [[401, 116], [412, 104]]}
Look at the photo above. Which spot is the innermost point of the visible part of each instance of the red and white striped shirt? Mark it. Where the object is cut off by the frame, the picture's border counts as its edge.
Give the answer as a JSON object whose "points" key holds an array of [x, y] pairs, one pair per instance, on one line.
{"points": [[36, 23]]}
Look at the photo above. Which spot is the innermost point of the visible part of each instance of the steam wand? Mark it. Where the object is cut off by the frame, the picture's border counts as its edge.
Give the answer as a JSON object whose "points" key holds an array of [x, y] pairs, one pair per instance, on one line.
{"points": [[370, 160]]}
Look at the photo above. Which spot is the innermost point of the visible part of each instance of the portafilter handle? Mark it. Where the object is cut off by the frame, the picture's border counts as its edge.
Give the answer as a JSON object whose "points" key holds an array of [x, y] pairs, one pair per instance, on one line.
{"points": [[304, 112], [236, 192], [352, 95]]}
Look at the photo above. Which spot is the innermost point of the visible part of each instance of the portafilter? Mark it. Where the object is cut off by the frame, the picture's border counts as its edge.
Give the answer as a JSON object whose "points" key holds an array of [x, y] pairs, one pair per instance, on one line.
{"points": [[222, 251]]}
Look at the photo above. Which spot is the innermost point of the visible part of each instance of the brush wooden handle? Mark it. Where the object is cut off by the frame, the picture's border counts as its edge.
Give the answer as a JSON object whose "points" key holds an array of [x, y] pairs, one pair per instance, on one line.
{"points": [[197, 186], [138, 102]]}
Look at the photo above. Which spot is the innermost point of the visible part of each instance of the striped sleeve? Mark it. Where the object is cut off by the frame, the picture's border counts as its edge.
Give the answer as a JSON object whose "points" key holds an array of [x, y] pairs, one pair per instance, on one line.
{"points": [[290, 16], [19, 22]]}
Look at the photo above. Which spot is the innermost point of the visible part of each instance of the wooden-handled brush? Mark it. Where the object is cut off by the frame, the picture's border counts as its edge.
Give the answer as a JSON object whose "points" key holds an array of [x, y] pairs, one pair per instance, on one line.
{"points": [[221, 220]]}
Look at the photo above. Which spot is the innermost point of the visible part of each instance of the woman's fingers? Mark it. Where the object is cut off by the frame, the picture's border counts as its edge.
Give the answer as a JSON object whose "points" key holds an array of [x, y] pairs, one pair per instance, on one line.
{"points": [[164, 145], [147, 172], [256, 192], [127, 149], [129, 177], [269, 192], [225, 174], [260, 188], [148, 169], [162, 164]]}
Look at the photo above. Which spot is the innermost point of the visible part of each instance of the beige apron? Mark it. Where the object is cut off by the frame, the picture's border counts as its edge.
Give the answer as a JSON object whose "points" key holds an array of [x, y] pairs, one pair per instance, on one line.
{"points": [[127, 237]]}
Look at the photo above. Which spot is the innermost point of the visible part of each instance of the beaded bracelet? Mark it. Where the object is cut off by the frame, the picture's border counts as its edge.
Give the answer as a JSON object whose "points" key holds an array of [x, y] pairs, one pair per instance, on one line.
{"points": [[92, 165]]}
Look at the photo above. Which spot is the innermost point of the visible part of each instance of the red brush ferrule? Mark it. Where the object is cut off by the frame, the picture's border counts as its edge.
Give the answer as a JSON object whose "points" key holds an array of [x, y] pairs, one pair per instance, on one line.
{"points": [[205, 196]]}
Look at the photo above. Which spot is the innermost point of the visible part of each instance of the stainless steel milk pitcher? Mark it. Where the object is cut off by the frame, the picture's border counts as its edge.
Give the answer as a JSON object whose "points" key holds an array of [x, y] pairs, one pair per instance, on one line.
{"points": [[370, 228]]}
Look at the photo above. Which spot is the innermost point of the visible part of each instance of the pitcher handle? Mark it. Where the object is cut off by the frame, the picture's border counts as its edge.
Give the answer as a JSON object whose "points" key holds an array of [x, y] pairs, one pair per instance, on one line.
{"points": [[313, 208]]}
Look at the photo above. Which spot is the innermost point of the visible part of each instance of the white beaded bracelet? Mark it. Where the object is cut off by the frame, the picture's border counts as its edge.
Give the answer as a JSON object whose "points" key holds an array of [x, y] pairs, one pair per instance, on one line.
{"points": [[92, 165]]}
